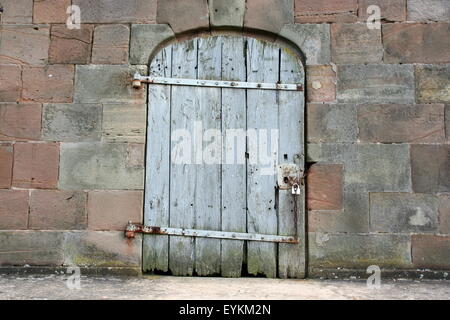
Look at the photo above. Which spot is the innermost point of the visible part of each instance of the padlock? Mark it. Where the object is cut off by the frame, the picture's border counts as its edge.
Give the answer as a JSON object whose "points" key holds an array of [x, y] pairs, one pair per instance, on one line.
{"points": [[295, 188]]}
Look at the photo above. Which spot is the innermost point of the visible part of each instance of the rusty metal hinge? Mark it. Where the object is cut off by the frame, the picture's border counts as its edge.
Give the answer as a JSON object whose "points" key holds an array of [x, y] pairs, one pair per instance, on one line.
{"points": [[138, 80], [133, 228]]}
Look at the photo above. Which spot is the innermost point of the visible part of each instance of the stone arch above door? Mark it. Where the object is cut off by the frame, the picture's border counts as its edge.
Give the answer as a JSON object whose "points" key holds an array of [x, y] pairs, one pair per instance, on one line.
{"points": [[271, 20]]}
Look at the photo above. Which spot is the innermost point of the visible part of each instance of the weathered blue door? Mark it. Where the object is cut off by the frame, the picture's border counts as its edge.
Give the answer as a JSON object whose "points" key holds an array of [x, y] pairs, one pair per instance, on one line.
{"points": [[223, 157]]}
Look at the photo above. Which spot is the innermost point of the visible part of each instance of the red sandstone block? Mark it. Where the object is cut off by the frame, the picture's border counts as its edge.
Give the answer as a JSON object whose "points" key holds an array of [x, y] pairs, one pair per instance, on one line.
{"points": [[355, 43], [431, 251], [6, 164], [20, 121], [16, 11], [50, 11], [126, 11], [111, 44], [269, 15], [321, 84], [48, 84], [324, 187], [416, 42], [326, 10], [70, 46], [58, 210], [331, 123], [135, 155], [428, 10], [430, 165], [419, 123], [24, 44], [433, 83], [183, 15], [102, 249], [10, 83], [34, 248], [36, 165], [13, 209], [444, 213], [111, 210]]}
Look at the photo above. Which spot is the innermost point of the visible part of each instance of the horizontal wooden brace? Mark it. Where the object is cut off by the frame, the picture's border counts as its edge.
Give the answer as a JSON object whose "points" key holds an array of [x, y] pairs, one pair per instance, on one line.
{"points": [[138, 80], [133, 228]]}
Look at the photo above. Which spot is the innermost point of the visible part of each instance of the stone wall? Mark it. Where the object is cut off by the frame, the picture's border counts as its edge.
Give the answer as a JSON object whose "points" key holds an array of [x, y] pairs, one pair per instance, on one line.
{"points": [[72, 130]]}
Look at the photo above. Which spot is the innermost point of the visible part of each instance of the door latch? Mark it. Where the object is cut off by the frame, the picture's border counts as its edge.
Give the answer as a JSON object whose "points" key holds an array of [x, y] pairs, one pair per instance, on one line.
{"points": [[290, 176]]}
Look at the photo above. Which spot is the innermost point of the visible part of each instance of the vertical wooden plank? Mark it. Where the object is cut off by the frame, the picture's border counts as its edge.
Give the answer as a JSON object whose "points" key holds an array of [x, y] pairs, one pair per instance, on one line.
{"points": [[233, 168], [208, 178], [156, 247], [183, 185], [262, 114], [291, 257]]}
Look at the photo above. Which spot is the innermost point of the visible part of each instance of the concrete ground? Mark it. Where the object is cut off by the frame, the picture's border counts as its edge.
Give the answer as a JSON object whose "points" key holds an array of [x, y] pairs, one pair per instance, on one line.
{"points": [[164, 287]]}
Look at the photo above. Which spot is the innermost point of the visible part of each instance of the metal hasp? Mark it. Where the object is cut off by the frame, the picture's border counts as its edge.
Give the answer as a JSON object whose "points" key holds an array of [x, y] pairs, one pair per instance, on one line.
{"points": [[289, 175], [138, 80], [133, 228]]}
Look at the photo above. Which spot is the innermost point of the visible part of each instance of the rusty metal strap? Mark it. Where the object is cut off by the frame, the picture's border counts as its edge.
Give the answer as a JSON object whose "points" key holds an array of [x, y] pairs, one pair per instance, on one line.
{"points": [[138, 80], [133, 228]]}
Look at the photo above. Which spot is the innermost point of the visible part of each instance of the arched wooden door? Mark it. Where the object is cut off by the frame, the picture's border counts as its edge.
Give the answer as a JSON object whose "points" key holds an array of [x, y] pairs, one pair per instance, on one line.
{"points": [[224, 157]]}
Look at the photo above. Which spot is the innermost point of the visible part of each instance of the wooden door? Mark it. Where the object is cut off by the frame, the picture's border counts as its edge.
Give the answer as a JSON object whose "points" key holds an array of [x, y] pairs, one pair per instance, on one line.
{"points": [[221, 182]]}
